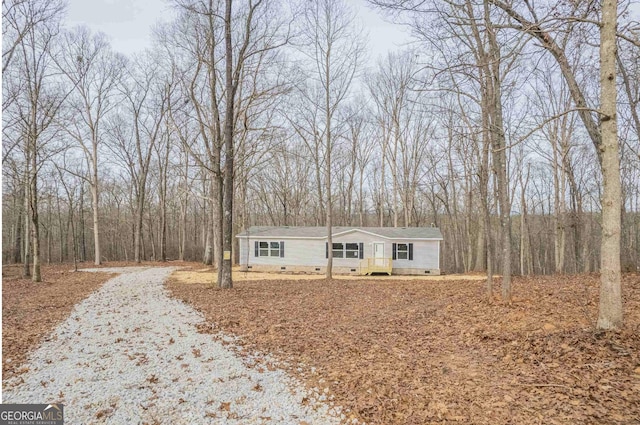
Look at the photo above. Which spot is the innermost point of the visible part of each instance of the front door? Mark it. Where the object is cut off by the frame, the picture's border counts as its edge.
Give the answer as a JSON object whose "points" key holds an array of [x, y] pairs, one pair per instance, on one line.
{"points": [[378, 253]]}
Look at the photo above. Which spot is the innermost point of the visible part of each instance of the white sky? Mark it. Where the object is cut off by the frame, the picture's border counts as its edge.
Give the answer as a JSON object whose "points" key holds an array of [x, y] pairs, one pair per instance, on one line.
{"points": [[128, 23]]}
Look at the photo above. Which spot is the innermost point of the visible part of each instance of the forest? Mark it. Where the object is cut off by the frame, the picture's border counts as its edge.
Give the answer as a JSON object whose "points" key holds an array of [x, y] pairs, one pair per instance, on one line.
{"points": [[512, 126]]}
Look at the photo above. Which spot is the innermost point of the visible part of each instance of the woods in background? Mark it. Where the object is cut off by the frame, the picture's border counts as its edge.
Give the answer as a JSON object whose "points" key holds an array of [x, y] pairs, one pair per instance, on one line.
{"points": [[489, 126]]}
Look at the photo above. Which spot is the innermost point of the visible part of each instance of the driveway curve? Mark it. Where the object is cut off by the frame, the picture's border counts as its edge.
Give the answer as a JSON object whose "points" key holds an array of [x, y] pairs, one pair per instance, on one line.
{"points": [[130, 354]]}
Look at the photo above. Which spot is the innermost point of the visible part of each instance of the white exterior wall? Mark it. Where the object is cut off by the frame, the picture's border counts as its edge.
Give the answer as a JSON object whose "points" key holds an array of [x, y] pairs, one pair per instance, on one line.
{"points": [[311, 253], [297, 252], [425, 256]]}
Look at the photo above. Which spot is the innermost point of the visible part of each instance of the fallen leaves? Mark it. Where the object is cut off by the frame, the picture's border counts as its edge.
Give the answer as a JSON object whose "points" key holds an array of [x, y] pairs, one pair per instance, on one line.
{"points": [[402, 352], [30, 311]]}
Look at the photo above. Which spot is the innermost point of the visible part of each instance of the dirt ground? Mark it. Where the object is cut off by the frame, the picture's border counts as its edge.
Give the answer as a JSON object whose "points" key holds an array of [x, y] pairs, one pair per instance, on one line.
{"points": [[425, 352], [190, 265], [30, 311], [199, 274]]}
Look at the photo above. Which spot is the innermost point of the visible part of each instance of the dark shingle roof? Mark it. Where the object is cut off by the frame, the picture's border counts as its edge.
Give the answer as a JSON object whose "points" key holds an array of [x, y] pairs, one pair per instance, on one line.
{"points": [[320, 232]]}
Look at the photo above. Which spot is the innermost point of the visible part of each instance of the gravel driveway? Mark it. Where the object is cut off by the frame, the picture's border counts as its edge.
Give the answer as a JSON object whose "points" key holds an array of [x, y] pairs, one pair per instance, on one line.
{"points": [[129, 354]]}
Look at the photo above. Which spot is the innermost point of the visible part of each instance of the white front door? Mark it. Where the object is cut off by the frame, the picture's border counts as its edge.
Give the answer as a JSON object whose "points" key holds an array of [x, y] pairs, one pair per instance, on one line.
{"points": [[378, 253]]}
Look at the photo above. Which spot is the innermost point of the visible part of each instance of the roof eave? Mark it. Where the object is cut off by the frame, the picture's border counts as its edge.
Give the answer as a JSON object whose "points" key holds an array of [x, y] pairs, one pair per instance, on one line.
{"points": [[336, 234]]}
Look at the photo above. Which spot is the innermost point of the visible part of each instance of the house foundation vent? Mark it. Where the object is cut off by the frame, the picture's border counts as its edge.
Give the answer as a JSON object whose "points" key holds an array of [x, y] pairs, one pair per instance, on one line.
{"points": [[427, 271], [283, 268], [317, 269], [353, 270], [249, 267]]}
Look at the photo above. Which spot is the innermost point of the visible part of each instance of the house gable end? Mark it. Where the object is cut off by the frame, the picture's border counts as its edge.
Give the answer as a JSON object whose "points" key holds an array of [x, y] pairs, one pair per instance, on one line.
{"points": [[346, 232]]}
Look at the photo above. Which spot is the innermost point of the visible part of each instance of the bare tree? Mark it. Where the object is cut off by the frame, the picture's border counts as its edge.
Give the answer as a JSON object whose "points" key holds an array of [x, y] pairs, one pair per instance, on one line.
{"points": [[93, 71], [304, 116], [238, 39], [35, 106], [450, 134], [610, 315], [19, 18], [391, 89], [333, 44], [610, 310], [146, 94], [197, 37], [247, 49], [70, 189]]}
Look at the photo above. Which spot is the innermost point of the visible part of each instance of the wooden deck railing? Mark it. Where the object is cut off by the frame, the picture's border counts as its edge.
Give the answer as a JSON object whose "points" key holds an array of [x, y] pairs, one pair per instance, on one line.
{"points": [[376, 265]]}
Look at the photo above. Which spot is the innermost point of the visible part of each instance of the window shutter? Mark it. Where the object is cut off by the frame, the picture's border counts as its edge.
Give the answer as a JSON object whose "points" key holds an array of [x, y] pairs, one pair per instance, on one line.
{"points": [[411, 251], [326, 250], [256, 248], [394, 247], [361, 249], [281, 248]]}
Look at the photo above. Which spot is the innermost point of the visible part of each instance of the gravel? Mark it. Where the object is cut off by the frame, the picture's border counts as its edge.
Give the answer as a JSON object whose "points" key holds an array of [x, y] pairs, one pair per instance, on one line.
{"points": [[130, 354]]}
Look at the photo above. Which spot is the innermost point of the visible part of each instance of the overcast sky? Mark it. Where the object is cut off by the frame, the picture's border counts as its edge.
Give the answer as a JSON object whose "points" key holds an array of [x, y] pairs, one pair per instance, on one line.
{"points": [[128, 23]]}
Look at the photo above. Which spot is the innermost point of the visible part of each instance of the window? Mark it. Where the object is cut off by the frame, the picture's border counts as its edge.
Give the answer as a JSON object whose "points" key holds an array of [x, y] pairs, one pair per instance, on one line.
{"points": [[402, 252], [348, 250], [264, 249], [269, 249], [352, 251]]}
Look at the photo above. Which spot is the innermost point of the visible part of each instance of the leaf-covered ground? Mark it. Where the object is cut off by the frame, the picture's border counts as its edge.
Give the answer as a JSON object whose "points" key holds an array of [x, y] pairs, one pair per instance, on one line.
{"points": [[30, 311], [416, 352]]}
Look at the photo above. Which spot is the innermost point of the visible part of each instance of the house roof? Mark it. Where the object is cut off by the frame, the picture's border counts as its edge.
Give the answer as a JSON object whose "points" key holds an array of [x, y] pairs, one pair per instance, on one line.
{"points": [[320, 232]]}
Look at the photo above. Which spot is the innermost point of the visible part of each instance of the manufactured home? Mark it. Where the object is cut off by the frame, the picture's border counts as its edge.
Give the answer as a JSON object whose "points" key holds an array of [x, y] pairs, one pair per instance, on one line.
{"points": [[356, 250]]}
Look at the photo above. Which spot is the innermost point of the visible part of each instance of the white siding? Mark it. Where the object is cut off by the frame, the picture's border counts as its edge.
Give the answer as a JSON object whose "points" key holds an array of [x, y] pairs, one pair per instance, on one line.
{"points": [[297, 252], [425, 256], [311, 252]]}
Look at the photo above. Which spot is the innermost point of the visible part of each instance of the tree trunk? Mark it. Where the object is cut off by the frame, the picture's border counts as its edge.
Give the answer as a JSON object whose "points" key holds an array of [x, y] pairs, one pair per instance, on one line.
{"points": [[218, 223], [137, 236], [467, 221], [505, 224], [26, 270], [163, 220], [481, 245], [499, 154], [210, 238], [486, 214], [558, 196], [525, 244], [351, 183], [152, 239], [49, 231], [73, 235], [96, 231], [182, 227], [361, 196], [329, 216], [321, 210], [83, 241], [327, 182], [64, 236], [35, 230], [224, 272], [394, 170], [610, 309], [17, 246], [382, 177]]}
